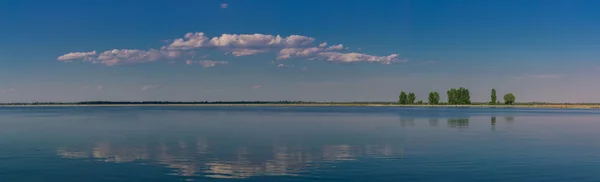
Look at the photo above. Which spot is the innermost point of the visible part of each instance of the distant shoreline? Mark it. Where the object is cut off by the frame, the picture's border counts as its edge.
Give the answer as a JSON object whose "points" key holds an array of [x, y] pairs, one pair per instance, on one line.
{"points": [[571, 106]]}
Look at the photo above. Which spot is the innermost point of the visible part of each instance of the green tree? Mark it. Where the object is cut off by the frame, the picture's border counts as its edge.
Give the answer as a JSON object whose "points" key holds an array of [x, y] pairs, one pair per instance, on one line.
{"points": [[459, 96], [420, 102], [465, 97], [452, 96], [411, 98], [403, 98], [509, 99], [434, 98], [493, 101]]}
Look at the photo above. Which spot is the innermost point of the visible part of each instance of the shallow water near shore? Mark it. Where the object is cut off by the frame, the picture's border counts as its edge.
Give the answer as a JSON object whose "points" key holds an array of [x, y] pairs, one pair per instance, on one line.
{"points": [[298, 144]]}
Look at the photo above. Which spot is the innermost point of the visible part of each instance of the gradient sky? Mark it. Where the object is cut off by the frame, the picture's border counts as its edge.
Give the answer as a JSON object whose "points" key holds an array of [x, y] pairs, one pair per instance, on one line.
{"points": [[540, 50]]}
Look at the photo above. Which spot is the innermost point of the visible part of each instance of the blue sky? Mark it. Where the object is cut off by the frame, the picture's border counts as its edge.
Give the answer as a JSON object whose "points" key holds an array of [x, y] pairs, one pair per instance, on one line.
{"points": [[541, 50]]}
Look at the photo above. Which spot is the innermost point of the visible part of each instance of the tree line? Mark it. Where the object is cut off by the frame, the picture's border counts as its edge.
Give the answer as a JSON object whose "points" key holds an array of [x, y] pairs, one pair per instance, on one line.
{"points": [[460, 96]]}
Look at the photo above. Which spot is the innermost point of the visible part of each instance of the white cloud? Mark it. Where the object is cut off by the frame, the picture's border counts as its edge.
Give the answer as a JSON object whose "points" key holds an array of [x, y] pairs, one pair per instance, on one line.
{"points": [[293, 46], [148, 87], [128, 56], [335, 47], [243, 44], [357, 57], [99, 87], [318, 53], [304, 69], [121, 56], [76, 55], [189, 62], [285, 66], [246, 52], [209, 63], [256, 87], [298, 52], [224, 5]]}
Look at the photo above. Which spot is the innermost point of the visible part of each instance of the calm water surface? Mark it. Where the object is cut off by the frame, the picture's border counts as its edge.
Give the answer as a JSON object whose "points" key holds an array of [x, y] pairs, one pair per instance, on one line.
{"points": [[298, 144]]}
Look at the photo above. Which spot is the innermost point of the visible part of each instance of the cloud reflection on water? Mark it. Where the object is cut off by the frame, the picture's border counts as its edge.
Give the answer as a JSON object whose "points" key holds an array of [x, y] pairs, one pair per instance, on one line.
{"points": [[207, 160]]}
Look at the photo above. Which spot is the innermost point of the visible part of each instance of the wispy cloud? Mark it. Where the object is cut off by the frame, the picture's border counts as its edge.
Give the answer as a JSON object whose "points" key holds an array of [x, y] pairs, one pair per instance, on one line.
{"points": [[224, 5], [320, 53], [285, 66], [76, 55], [292, 46], [335, 47], [206, 63], [149, 87], [256, 87]]}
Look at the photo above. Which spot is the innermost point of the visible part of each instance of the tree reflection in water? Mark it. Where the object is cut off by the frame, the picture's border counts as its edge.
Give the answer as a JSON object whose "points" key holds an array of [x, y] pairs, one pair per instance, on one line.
{"points": [[493, 122], [458, 122]]}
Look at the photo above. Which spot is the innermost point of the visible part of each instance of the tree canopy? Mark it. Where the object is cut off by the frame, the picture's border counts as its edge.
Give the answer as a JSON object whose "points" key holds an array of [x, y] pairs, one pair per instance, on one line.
{"points": [[411, 98], [493, 100], [434, 98], [459, 96], [509, 99], [403, 98]]}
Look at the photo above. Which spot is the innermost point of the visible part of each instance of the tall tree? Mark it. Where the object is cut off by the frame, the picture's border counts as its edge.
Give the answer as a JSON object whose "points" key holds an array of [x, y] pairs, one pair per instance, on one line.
{"points": [[509, 99], [465, 97], [431, 98], [403, 98], [459, 96], [452, 96], [493, 101], [411, 98]]}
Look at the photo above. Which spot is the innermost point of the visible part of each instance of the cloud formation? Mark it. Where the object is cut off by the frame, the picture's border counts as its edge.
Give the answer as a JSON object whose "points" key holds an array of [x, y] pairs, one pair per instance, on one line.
{"points": [[189, 46], [320, 53], [285, 66], [148, 87], [206, 63], [76, 55], [335, 47], [224, 5], [239, 44]]}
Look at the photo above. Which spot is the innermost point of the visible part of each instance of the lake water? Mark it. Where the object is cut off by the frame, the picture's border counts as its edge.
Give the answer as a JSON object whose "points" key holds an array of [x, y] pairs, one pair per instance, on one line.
{"points": [[298, 144]]}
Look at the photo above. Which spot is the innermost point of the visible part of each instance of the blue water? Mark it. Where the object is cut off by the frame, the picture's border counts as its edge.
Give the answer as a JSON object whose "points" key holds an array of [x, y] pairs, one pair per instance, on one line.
{"points": [[298, 144]]}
